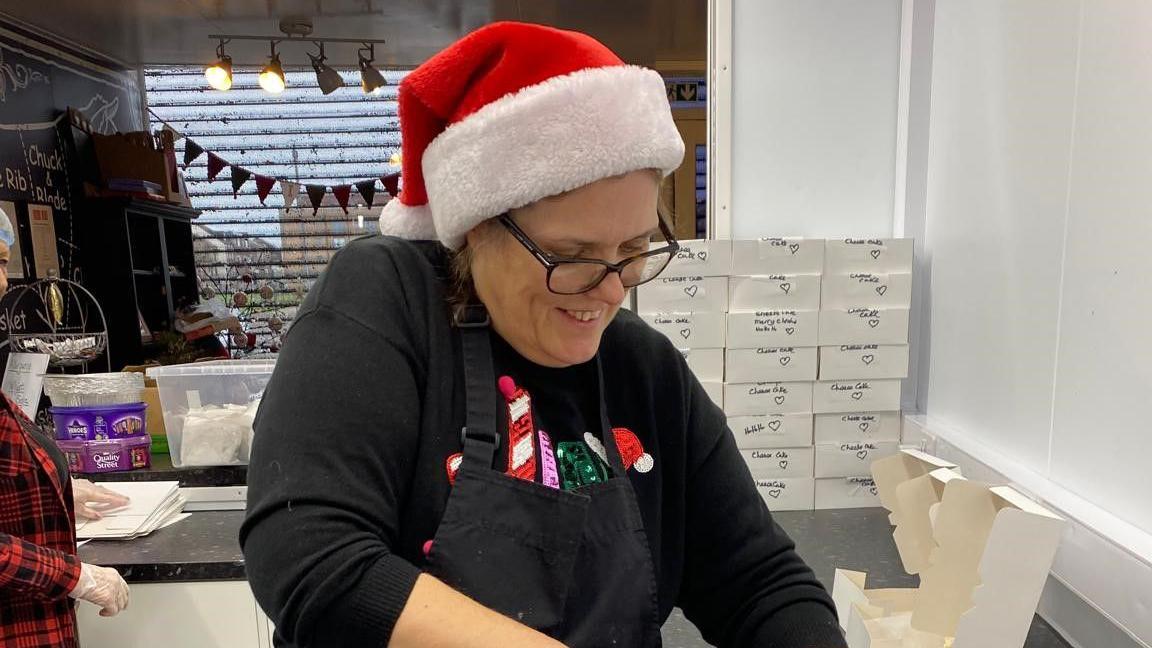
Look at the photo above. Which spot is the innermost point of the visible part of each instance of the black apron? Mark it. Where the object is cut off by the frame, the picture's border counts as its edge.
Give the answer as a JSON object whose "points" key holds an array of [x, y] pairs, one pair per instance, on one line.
{"points": [[574, 565]]}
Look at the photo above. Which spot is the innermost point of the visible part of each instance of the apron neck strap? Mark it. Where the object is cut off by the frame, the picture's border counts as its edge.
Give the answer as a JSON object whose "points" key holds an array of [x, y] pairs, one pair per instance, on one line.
{"points": [[480, 435], [607, 437]]}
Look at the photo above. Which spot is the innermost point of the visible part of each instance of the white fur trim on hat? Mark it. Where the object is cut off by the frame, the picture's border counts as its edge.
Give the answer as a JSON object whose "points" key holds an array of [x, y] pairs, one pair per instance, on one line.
{"points": [[555, 136], [404, 221]]}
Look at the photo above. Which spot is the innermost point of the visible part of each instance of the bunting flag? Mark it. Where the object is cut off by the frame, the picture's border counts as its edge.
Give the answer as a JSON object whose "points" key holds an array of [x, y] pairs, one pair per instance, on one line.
{"points": [[291, 191], [367, 189], [192, 150], [240, 175], [391, 183], [316, 196], [342, 194], [216, 164], [264, 186], [176, 136]]}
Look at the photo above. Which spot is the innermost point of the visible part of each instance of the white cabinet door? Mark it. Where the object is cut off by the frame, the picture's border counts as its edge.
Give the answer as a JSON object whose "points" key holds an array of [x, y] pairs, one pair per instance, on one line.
{"points": [[179, 615]]}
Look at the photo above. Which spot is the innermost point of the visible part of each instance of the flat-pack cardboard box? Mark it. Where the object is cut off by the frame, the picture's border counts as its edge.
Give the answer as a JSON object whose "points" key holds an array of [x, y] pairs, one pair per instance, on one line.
{"points": [[892, 290], [758, 399], [881, 256], [776, 328], [983, 554], [778, 256], [776, 364], [851, 361], [833, 396], [774, 292], [854, 427], [705, 364], [771, 430], [863, 325], [778, 463], [683, 295], [690, 330], [852, 459], [845, 493], [715, 391], [787, 494], [700, 258]]}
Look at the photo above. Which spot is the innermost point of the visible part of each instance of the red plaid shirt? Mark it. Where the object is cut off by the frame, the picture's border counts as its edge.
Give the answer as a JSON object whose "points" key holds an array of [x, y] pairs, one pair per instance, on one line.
{"points": [[38, 564]]}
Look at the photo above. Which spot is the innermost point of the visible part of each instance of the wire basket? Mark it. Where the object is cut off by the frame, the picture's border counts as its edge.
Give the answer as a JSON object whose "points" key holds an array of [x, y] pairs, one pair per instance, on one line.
{"points": [[73, 338]]}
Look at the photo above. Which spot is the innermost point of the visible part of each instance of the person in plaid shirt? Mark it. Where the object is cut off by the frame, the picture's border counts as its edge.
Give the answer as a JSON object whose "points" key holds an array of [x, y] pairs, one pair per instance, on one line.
{"points": [[39, 571]]}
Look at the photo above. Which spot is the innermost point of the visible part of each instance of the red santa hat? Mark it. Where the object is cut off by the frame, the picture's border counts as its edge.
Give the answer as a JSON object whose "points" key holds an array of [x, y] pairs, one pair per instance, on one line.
{"points": [[513, 113]]}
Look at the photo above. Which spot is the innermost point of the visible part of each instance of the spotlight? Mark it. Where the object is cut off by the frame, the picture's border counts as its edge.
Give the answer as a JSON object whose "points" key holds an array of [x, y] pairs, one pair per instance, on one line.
{"points": [[272, 76], [219, 74], [370, 78], [327, 78]]}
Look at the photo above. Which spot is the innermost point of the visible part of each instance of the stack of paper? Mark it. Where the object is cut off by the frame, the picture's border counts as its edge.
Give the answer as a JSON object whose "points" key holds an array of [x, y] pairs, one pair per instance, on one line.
{"points": [[153, 505]]}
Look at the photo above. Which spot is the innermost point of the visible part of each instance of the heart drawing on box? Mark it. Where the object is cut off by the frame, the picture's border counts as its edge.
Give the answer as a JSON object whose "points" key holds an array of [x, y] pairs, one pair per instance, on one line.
{"points": [[864, 427], [880, 290], [685, 333], [867, 359], [784, 464], [779, 400], [786, 287], [774, 425], [789, 330], [857, 395], [873, 323], [784, 360], [794, 248], [703, 255], [692, 290], [775, 493], [875, 254], [862, 455]]}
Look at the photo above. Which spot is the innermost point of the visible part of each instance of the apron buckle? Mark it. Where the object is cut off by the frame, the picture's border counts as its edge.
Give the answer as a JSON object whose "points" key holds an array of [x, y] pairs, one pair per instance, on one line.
{"points": [[479, 435], [472, 316]]}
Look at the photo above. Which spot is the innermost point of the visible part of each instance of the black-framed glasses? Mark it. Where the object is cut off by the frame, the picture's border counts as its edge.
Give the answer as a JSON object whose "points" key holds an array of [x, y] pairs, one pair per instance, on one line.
{"points": [[567, 276]]}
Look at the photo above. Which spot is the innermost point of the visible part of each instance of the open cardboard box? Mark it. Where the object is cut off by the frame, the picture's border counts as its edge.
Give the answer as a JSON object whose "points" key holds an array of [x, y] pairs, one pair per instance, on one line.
{"points": [[982, 552]]}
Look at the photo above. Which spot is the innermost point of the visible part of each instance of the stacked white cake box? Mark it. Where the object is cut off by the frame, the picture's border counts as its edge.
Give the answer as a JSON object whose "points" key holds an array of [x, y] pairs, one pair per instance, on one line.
{"points": [[771, 363], [688, 303], [863, 337]]}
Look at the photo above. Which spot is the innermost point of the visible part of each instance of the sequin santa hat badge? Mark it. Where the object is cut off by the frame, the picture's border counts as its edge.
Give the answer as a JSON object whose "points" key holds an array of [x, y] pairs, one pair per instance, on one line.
{"points": [[513, 113], [631, 451]]}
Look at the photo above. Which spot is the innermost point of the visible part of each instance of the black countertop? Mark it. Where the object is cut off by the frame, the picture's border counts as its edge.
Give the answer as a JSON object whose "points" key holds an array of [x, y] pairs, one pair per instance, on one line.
{"points": [[206, 547], [189, 476]]}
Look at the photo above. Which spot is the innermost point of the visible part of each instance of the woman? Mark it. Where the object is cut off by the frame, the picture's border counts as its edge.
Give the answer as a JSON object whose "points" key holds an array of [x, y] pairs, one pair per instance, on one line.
{"points": [[470, 445], [39, 570]]}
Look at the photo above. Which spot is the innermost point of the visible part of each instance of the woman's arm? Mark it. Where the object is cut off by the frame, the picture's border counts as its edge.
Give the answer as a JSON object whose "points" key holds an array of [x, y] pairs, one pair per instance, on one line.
{"points": [[31, 570]]}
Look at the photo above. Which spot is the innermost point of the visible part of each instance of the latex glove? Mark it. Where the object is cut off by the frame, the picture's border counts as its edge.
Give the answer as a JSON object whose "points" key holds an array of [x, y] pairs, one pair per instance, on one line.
{"points": [[85, 494], [101, 586]]}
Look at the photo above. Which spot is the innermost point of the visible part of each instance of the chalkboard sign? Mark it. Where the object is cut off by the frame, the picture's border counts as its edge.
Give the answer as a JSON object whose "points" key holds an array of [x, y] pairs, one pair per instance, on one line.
{"points": [[39, 80]]}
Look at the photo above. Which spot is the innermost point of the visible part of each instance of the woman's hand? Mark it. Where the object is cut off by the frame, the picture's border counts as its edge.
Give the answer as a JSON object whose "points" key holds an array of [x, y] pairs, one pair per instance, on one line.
{"points": [[85, 494], [101, 586]]}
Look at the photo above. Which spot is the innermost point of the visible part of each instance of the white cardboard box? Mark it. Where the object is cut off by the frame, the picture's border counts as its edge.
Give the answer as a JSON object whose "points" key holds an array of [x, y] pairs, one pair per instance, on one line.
{"points": [[846, 492], [706, 364], [757, 399], [690, 330], [868, 255], [787, 494], [778, 463], [856, 427], [774, 364], [778, 256], [851, 459], [700, 258], [683, 295], [774, 292], [781, 328], [866, 289], [863, 325], [715, 391], [771, 430], [830, 397], [849, 361]]}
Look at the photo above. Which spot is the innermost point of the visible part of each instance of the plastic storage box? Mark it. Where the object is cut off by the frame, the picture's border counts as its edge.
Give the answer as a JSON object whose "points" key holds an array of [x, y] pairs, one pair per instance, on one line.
{"points": [[209, 408]]}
